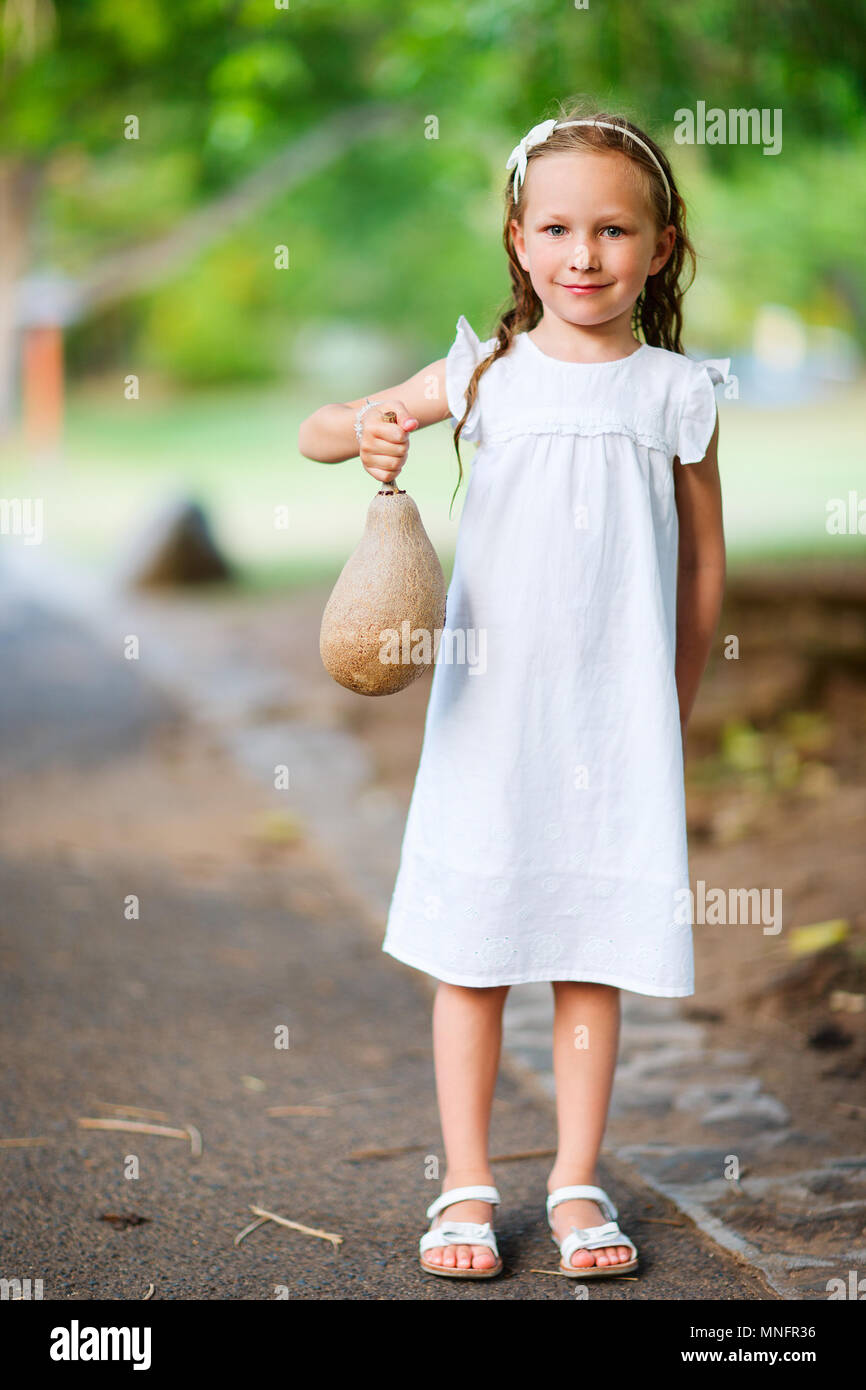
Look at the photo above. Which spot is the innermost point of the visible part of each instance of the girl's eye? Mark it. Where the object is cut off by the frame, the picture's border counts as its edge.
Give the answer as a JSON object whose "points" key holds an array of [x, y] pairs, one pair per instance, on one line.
{"points": [[615, 229], [553, 227]]}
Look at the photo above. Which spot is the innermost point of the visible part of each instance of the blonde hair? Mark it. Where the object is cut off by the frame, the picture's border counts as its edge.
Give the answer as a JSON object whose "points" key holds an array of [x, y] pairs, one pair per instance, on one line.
{"points": [[657, 314]]}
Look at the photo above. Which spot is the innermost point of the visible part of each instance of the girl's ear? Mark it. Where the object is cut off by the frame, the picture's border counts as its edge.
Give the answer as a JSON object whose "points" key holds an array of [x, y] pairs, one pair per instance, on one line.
{"points": [[664, 247], [519, 243]]}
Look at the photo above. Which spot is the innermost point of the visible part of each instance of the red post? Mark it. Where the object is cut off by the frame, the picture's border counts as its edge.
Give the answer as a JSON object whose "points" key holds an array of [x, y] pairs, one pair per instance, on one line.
{"points": [[42, 388]]}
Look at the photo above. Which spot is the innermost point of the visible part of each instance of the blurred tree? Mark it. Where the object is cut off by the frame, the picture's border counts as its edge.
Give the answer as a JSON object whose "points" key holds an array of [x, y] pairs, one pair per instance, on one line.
{"points": [[238, 100], [208, 86]]}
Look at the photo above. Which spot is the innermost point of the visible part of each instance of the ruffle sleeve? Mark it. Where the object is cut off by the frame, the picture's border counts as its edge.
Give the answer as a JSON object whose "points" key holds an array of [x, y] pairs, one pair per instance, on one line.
{"points": [[463, 357], [698, 415]]}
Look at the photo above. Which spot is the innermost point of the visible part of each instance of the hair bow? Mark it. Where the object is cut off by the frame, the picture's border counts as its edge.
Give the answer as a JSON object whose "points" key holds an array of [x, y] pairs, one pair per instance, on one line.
{"points": [[536, 136]]}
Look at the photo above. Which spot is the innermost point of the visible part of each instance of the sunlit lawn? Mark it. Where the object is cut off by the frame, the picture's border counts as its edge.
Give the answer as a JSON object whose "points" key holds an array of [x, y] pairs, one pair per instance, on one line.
{"points": [[236, 453]]}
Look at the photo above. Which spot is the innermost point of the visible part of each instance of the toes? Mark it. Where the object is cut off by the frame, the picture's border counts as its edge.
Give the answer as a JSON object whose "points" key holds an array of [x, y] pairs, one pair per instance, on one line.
{"points": [[614, 1255], [461, 1256], [482, 1257], [607, 1255], [604, 1256]]}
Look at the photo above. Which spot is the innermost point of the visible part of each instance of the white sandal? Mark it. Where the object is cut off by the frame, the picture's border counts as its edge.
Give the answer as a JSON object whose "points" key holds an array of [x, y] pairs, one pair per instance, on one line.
{"points": [[461, 1233], [592, 1237]]}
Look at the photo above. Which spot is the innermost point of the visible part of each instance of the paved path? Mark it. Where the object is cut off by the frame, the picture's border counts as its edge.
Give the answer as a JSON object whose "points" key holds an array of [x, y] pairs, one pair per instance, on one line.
{"points": [[174, 1012], [682, 1108]]}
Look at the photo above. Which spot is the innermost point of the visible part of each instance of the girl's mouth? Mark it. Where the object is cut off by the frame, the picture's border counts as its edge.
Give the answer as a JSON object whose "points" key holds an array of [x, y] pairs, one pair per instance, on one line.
{"points": [[584, 289]]}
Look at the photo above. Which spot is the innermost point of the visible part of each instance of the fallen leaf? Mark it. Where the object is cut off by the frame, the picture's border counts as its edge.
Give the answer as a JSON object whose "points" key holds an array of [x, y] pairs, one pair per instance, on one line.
{"points": [[804, 941]]}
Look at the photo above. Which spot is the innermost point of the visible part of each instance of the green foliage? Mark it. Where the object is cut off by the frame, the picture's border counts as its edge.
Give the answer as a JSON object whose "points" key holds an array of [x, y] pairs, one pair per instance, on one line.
{"points": [[201, 338], [404, 230]]}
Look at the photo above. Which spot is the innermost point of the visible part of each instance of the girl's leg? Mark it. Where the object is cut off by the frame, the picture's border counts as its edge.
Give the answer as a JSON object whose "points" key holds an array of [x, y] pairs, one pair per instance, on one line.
{"points": [[467, 1040], [585, 1044]]}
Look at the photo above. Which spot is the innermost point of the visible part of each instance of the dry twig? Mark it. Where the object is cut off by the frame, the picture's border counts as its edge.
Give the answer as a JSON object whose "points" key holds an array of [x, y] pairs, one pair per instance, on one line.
{"points": [[260, 1221], [143, 1127], [27, 1143], [194, 1141], [133, 1110], [296, 1226], [384, 1153]]}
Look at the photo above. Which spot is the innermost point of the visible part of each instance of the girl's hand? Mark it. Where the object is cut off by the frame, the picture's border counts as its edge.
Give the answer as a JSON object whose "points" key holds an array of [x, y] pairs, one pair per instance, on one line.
{"points": [[384, 445]]}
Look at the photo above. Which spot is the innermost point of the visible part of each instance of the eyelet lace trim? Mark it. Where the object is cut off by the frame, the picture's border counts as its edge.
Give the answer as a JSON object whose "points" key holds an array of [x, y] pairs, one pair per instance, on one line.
{"points": [[541, 424]]}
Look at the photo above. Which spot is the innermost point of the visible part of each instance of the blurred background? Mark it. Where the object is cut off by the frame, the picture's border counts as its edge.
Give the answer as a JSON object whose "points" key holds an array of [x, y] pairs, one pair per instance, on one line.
{"points": [[216, 216], [242, 208]]}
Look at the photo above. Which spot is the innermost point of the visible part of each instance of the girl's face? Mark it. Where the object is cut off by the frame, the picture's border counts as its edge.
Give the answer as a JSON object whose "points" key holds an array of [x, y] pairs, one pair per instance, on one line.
{"points": [[586, 223]]}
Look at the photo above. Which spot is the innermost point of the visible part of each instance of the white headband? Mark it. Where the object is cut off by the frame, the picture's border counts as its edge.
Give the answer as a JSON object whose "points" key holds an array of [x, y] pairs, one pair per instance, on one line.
{"points": [[539, 133]]}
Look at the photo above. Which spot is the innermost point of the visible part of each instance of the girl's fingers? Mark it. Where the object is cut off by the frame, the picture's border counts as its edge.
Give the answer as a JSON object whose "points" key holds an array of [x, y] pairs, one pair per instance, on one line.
{"points": [[381, 468], [382, 448], [386, 447], [378, 460], [396, 438]]}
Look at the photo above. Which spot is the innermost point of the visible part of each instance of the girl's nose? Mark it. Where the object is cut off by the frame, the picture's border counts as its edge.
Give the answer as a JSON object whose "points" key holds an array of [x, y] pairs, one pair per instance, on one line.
{"points": [[580, 257]]}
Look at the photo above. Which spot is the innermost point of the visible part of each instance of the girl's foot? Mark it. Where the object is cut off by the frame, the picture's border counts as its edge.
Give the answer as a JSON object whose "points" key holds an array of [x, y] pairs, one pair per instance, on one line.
{"points": [[583, 1212], [463, 1256]]}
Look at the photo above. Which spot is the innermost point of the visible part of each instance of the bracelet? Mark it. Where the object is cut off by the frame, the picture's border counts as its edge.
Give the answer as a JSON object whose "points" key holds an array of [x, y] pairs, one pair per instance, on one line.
{"points": [[360, 415]]}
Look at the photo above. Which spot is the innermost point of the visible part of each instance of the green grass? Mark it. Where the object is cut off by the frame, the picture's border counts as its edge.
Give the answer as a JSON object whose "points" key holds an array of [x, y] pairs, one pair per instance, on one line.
{"points": [[780, 467], [236, 453]]}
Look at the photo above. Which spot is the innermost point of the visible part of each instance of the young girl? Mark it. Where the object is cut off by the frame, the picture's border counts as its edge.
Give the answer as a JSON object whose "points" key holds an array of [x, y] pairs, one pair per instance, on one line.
{"points": [[546, 837]]}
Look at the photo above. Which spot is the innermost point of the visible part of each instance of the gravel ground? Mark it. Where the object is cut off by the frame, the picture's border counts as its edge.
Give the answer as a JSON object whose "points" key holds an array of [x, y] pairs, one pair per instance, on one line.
{"points": [[110, 790]]}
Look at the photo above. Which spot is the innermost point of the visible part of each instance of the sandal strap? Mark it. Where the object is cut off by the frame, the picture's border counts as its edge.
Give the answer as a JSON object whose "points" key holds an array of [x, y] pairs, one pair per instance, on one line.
{"points": [[595, 1194], [593, 1238], [462, 1194], [459, 1233]]}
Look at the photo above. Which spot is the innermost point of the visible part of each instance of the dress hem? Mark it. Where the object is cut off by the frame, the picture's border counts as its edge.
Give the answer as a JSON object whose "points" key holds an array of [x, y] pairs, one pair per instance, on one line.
{"points": [[593, 978]]}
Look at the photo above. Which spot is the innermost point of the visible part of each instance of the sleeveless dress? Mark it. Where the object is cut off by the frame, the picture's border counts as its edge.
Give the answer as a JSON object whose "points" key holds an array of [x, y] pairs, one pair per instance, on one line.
{"points": [[546, 834]]}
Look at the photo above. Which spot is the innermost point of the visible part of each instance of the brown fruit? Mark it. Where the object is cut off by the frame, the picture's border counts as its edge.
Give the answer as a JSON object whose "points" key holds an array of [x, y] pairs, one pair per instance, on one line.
{"points": [[389, 601]]}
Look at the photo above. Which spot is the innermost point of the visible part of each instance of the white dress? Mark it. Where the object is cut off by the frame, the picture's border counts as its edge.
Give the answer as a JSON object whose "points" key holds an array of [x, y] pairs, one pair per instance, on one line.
{"points": [[546, 835]]}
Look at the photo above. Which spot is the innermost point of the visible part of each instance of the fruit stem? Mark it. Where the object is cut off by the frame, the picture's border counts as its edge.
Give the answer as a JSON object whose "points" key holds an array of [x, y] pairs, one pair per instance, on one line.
{"points": [[389, 489]]}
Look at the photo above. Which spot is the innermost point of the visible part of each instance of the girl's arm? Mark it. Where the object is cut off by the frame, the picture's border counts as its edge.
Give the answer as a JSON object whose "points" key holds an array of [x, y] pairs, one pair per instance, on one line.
{"points": [[328, 435], [701, 570]]}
